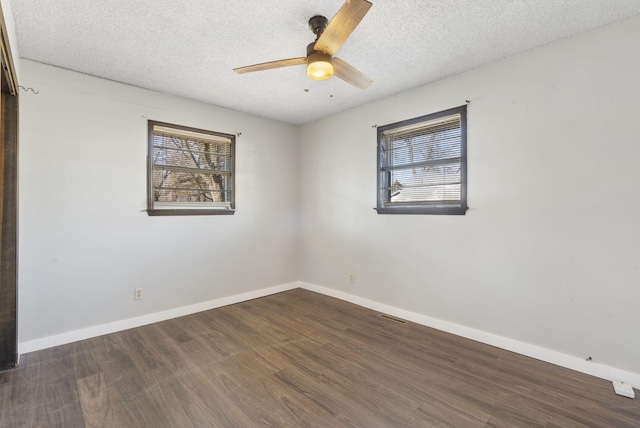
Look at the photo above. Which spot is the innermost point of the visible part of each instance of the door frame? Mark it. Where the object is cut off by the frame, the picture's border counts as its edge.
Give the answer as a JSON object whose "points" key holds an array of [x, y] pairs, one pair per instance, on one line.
{"points": [[8, 203]]}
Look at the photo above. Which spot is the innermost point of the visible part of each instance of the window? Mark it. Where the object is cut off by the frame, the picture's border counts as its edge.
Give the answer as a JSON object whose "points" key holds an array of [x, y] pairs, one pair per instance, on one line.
{"points": [[190, 171], [422, 164]]}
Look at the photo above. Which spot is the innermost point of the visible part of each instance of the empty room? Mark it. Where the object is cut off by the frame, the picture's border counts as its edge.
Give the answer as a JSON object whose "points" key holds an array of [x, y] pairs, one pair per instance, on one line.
{"points": [[408, 213]]}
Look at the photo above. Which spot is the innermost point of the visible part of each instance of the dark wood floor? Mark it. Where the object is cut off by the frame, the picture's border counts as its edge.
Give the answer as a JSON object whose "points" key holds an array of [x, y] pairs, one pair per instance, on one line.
{"points": [[298, 359]]}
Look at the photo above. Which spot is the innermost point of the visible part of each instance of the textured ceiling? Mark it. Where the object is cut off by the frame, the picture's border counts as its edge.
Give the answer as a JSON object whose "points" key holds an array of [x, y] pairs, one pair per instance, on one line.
{"points": [[189, 48]]}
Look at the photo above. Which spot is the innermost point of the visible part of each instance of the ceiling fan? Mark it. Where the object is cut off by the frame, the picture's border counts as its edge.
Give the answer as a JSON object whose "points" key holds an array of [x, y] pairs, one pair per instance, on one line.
{"points": [[329, 37]]}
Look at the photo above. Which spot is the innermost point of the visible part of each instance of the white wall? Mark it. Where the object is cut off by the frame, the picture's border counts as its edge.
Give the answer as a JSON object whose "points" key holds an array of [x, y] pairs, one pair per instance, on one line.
{"points": [[86, 241], [549, 252]]}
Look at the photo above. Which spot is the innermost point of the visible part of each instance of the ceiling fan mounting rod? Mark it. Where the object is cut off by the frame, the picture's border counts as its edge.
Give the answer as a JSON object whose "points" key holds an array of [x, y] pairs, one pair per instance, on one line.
{"points": [[317, 24]]}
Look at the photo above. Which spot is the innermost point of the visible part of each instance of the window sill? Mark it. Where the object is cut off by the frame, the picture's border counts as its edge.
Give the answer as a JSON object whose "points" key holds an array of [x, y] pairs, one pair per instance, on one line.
{"points": [[199, 211], [423, 210]]}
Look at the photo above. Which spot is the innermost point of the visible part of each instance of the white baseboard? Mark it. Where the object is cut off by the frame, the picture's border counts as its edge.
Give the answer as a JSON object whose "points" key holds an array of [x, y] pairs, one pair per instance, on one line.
{"points": [[99, 330], [575, 363]]}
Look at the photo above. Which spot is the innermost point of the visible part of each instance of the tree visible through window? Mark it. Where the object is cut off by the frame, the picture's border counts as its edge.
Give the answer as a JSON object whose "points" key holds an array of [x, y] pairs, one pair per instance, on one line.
{"points": [[191, 171], [422, 164]]}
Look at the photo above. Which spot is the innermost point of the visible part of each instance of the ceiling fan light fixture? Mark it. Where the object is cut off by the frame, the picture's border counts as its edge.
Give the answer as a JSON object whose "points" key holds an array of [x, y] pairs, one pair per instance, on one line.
{"points": [[319, 66]]}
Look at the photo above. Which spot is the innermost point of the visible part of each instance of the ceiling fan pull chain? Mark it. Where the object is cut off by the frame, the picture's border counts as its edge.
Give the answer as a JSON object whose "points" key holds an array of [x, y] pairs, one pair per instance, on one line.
{"points": [[331, 93]]}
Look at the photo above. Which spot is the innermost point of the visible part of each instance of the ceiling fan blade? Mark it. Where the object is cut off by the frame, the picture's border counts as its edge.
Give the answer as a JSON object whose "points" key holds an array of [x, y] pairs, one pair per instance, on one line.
{"points": [[342, 25], [350, 74], [270, 65]]}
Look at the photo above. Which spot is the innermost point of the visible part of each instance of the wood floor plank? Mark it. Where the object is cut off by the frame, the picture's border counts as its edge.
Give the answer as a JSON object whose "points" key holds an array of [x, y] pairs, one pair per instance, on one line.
{"points": [[351, 410], [440, 413], [23, 399], [205, 402], [299, 359], [350, 381], [250, 388], [94, 399]]}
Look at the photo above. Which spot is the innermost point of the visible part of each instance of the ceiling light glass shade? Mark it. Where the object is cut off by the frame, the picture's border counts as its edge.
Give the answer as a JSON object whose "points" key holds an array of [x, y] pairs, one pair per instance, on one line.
{"points": [[319, 66]]}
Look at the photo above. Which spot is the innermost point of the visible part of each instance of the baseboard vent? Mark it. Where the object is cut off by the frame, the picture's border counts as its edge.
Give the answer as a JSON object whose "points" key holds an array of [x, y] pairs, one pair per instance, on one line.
{"points": [[390, 318]]}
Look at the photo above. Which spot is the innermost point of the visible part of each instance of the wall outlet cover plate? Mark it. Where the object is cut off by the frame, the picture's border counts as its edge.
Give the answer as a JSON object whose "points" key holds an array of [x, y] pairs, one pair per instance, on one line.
{"points": [[624, 389]]}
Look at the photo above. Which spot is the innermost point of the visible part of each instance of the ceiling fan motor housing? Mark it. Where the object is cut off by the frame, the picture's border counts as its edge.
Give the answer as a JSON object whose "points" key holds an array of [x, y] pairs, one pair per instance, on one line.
{"points": [[312, 51]]}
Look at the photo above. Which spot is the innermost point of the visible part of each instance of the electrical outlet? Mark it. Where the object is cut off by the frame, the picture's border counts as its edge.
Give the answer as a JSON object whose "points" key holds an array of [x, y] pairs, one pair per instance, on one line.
{"points": [[137, 294], [352, 278]]}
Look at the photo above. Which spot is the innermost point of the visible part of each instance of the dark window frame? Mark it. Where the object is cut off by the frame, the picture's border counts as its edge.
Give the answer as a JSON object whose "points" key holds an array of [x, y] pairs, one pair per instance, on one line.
{"points": [[152, 210], [384, 204]]}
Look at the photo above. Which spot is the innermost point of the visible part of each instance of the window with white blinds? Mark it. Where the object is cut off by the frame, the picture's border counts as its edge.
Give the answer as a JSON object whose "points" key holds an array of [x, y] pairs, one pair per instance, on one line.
{"points": [[191, 171], [422, 164]]}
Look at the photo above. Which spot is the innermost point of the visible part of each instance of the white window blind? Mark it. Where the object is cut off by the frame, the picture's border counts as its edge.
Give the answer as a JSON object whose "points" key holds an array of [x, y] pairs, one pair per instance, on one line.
{"points": [[190, 169], [422, 164]]}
